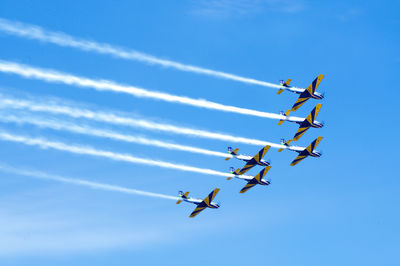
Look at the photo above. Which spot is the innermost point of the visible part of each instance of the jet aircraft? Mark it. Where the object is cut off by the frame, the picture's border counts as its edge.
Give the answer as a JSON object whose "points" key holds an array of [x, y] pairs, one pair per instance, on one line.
{"points": [[251, 181], [305, 94], [250, 161], [303, 152], [306, 123], [201, 204]]}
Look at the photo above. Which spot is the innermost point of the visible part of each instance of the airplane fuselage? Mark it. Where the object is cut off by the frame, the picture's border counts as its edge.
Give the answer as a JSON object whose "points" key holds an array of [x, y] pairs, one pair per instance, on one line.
{"points": [[305, 152], [212, 205], [304, 93], [247, 158], [305, 123], [248, 178]]}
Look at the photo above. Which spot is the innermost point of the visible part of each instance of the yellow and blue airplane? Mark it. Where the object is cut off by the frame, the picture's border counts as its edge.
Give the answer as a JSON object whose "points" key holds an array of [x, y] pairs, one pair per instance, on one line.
{"points": [[303, 152], [201, 204], [305, 123], [251, 180], [305, 94], [250, 161]]}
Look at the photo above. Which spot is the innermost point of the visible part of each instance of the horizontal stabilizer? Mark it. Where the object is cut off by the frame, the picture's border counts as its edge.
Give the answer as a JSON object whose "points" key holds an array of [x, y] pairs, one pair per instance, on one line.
{"points": [[234, 152], [286, 144], [286, 84], [285, 114]]}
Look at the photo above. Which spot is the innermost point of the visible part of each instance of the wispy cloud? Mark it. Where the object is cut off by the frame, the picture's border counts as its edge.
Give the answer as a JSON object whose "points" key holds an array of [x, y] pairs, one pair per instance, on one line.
{"points": [[239, 8], [37, 33], [82, 182], [349, 14]]}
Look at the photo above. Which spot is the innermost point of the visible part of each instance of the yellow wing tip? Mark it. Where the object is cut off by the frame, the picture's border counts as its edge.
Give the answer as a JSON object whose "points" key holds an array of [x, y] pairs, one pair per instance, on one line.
{"points": [[280, 122]]}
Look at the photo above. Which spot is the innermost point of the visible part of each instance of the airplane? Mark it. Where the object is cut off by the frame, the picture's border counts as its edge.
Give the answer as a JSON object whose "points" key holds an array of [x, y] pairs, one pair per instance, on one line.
{"points": [[250, 161], [305, 94], [303, 152], [306, 123], [201, 204], [251, 181]]}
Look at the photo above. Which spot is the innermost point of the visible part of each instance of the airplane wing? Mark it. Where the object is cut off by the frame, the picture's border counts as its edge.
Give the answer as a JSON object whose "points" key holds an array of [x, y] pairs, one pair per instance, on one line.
{"points": [[247, 167], [255, 160], [311, 90], [313, 144], [205, 203], [199, 208], [300, 101], [310, 118], [249, 185], [314, 85], [298, 159], [300, 132]]}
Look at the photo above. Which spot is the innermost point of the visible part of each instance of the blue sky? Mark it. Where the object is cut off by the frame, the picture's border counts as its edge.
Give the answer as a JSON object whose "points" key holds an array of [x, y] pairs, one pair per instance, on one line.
{"points": [[340, 209]]}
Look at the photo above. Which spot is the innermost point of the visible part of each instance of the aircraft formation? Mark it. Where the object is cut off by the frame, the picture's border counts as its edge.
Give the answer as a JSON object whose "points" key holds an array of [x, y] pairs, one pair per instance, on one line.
{"points": [[303, 152], [52, 76]]}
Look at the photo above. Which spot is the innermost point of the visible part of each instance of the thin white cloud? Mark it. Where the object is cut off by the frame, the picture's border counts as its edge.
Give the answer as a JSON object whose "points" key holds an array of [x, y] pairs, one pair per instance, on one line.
{"points": [[62, 39], [82, 182], [239, 8]]}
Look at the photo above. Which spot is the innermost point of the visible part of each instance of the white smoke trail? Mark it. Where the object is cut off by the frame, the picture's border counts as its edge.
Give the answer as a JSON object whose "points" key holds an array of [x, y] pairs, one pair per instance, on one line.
{"points": [[104, 85], [115, 119], [62, 39], [58, 125], [81, 182], [45, 144]]}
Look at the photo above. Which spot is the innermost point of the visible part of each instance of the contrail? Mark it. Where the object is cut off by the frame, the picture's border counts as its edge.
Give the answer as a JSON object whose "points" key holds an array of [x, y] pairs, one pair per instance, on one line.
{"points": [[62, 39], [85, 130], [45, 144], [115, 119], [105, 85], [81, 182]]}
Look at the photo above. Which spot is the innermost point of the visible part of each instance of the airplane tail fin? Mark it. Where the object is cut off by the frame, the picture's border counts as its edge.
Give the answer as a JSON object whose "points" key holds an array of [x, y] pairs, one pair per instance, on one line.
{"points": [[183, 196], [286, 143], [285, 114], [231, 152], [314, 85], [286, 84], [233, 172]]}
